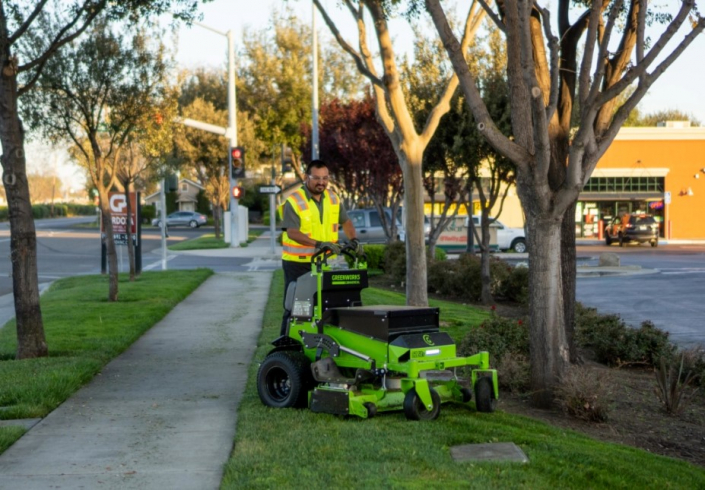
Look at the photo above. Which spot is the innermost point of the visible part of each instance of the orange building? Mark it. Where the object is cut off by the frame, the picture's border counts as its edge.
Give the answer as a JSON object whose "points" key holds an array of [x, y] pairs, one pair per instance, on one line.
{"points": [[660, 171]]}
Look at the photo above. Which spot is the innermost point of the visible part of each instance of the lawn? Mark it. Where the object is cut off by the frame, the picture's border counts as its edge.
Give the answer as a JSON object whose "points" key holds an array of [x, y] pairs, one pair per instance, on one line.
{"points": [[291, 448], [210, 241], [83, 332]]}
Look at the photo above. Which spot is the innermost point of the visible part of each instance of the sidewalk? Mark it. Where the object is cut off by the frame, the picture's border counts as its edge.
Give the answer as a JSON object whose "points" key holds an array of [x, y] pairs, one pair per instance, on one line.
{"points": [[162, 414]]}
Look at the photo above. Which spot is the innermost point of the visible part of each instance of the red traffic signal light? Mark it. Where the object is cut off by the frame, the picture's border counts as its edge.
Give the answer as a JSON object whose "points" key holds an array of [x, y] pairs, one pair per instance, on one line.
{"points": [[238, 192], [237, 162]]}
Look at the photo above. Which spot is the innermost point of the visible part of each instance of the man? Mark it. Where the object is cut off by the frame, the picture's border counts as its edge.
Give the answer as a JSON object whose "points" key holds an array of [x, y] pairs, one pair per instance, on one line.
{"points": [[311, 219]]}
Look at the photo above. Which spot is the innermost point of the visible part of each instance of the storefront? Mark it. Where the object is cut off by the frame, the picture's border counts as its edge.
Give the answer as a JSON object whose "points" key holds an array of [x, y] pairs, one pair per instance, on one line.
{"points": [[658, 171]]}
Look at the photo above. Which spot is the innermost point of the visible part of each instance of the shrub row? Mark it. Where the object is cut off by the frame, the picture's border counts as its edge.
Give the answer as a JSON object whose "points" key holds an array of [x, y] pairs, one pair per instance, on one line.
{"points": [[462, 279], [615, 343], [40, 211]]}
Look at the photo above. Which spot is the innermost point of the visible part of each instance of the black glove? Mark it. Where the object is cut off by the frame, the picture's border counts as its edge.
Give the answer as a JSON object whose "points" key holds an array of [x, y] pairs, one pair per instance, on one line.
{"points": [[333, 247], [357, 246]]}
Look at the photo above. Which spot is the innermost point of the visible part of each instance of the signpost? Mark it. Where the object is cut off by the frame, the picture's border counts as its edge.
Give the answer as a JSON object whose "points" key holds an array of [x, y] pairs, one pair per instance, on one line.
{"points": [[118, 212], [272, 190]]}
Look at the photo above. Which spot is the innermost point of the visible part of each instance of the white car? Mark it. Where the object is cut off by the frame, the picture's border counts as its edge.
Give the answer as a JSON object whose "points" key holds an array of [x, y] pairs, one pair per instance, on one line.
{"points": [[507, 238]]}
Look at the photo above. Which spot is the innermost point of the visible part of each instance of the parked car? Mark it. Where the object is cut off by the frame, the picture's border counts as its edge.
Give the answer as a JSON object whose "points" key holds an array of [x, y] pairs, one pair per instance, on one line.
{"points": [[182, 218], [368, 225], [507, 238], [636, 227]]}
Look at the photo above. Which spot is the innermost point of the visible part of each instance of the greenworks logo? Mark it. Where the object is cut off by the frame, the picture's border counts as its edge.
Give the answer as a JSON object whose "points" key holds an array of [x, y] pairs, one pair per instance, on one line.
{"points": [[338, 279], [427, 339]]}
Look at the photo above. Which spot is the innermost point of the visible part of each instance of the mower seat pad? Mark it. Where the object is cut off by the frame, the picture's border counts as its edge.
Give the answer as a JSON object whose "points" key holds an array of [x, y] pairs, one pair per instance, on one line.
{"points": [[384, 322]]}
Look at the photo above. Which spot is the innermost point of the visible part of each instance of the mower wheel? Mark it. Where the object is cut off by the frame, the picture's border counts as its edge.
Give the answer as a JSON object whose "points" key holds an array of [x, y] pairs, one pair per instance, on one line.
{"points": [[371, 409], [467, 394], [414, 408], [283, 379], [484, 395]]}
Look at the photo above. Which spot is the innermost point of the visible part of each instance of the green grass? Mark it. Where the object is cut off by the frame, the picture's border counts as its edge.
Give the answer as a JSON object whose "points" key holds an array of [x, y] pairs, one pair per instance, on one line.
{"points": [[84, 332], [8, 435], [210, 241], [203, 242], [287, 448]]}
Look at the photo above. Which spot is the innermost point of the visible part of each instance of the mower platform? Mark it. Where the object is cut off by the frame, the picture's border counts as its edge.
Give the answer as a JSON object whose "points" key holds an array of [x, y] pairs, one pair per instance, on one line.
{"points": [[347, 359]]}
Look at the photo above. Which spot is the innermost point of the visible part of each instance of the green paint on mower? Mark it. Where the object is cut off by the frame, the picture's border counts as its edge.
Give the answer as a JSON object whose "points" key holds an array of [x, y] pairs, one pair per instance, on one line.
{"points": [[343, 358]]}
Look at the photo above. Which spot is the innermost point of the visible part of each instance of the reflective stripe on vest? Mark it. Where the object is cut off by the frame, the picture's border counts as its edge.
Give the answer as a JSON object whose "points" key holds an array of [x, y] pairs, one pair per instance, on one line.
{"points": [[311, 225]]}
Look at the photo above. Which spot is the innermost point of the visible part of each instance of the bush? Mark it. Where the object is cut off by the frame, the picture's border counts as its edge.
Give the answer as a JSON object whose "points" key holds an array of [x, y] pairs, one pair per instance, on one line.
{"points": [[673, 382], [516, 286], [615, 343], [3, 213], [582, 393], [462, 278], [514, 372], [498, 336], [148, 214], [394, 263]]}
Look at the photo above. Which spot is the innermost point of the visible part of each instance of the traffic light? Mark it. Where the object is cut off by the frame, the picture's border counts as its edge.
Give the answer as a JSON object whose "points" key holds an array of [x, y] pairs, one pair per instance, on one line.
{"points": [[238, 192], [287, 159], [237, 162]]}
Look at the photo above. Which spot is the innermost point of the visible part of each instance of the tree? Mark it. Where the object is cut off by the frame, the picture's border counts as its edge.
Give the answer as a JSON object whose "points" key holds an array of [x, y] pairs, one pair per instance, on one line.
{"points": [[274, 83], [94, 93], [651, 119], [547, 74], [206, 155], [20, 22], [43, 187], [393, 113]]}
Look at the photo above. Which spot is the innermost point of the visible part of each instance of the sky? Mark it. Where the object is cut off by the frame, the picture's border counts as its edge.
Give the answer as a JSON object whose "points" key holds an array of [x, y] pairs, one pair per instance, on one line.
{"points": [[680, 87]]}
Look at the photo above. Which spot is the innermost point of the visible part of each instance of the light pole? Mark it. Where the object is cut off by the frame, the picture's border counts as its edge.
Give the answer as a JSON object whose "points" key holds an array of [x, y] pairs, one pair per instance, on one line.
{"points": [[230, 132], [314, 99]]}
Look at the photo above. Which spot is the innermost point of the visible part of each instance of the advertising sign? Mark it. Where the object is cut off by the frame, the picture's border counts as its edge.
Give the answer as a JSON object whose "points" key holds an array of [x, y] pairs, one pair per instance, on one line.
{"points": [[118, 211]]}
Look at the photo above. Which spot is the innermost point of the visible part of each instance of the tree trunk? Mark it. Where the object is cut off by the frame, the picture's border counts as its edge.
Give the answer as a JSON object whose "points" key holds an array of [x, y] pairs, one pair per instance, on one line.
{"points": [[31, 341], [109, 245], [568, 273], [217, 213], [416, 290], [485, 277], [548, 345], [128, 229]]}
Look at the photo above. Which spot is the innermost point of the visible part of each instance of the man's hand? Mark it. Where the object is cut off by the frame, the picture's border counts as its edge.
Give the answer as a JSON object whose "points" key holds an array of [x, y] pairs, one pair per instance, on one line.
{"points": [[357, 246], [333, 247]]}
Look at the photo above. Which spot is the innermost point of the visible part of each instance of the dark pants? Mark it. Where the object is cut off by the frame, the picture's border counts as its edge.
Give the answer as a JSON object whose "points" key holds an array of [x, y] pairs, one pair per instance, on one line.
{"points": [[292, 271]]}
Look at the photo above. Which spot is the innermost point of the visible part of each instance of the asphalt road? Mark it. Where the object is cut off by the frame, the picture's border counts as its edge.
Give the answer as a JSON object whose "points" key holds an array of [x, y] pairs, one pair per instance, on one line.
{"points": [[673, 297], [65, 248]]}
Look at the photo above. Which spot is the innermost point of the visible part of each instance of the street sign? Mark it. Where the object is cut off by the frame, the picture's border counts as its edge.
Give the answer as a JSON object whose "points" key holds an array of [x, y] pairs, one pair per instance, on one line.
{"points": [[667, 197], [272, 189]]}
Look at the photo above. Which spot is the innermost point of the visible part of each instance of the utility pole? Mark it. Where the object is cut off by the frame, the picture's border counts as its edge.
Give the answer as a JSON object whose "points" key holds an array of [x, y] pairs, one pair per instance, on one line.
{"points": [[314, 99]]}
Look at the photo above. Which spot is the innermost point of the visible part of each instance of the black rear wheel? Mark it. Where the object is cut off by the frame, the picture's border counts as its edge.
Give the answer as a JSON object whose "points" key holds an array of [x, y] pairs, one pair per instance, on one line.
{"points": [[283, 379], [414, 409], [485, 400]]}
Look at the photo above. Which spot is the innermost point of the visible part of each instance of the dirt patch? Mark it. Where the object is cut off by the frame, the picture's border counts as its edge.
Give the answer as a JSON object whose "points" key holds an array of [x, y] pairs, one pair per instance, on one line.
{"points": [[636, 417]]}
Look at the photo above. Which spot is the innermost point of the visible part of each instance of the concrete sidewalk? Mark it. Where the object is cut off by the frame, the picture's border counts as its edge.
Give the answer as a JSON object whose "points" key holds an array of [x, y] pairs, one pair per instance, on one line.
{"points": [[162, 414]]}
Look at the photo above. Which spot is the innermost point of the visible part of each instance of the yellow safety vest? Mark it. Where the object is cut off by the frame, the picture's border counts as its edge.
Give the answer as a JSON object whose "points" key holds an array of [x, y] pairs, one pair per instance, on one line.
{"points": [[311, 225]]}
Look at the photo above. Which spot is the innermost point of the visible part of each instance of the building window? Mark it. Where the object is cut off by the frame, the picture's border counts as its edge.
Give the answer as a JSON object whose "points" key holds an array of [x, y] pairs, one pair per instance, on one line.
{"points": [[184, 187], [624, 184]]}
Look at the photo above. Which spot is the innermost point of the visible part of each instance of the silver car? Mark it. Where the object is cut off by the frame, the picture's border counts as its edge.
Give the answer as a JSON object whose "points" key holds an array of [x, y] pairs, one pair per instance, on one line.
{"points": [[368, 225], [182, 218]]}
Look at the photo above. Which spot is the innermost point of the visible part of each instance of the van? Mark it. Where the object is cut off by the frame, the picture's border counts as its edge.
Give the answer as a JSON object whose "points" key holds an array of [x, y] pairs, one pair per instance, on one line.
{"points": [[507, 238]]}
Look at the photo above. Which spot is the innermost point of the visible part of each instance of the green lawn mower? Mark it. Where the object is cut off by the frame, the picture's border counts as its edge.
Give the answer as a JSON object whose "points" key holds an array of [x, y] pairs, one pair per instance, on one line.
{"points": [[343, 358]]}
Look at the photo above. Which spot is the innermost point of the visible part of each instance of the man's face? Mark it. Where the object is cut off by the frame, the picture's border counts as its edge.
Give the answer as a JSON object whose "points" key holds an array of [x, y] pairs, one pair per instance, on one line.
{"points": [[317, 181]]}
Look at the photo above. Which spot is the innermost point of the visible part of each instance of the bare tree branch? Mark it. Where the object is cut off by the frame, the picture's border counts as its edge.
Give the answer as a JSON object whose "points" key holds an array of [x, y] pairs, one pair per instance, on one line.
{"points": [[349, 49], [553, 47], [28, 22], [493, 15]]}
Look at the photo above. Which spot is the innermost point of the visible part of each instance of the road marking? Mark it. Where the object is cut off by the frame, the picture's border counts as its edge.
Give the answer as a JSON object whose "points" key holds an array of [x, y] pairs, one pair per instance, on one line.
{"points": [[258, 263], [158, 263], [685, 270]]}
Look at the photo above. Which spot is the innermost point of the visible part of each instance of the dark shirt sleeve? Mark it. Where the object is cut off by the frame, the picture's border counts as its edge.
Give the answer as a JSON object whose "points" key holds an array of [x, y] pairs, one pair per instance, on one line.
{"points": [[291, 219], [343, 216]]}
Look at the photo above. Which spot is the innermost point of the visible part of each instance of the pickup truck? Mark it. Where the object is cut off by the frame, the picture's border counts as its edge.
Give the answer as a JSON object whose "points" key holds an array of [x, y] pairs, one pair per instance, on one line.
{"points": [[507, 238]]}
